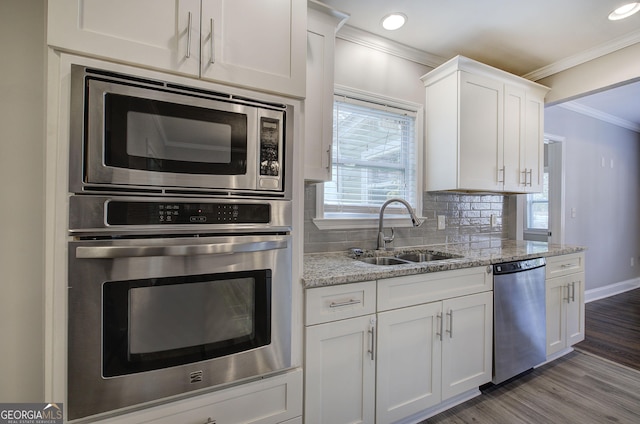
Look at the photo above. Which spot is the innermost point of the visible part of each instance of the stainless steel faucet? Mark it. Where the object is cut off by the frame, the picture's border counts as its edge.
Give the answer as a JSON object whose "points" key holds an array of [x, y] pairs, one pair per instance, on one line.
{"points": [[382, 239]]}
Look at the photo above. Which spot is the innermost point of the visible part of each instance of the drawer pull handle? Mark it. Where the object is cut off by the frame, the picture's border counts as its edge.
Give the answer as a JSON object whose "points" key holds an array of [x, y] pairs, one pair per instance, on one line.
{"points": [[566, 265], [345, 303]]}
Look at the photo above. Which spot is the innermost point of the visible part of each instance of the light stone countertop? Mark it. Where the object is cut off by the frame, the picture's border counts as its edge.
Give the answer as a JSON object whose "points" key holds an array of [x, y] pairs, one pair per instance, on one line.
{"points": [[325, 269]]}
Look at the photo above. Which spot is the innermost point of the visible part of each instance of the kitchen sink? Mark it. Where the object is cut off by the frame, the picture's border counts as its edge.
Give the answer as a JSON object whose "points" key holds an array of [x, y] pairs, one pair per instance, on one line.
{"points": [[384, 260], [407, 258], [423, 257]]}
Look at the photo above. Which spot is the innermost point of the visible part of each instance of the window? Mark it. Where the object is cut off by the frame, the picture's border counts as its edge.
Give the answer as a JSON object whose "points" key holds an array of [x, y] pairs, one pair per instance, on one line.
{"points": [[538, 207], [374, 158]]}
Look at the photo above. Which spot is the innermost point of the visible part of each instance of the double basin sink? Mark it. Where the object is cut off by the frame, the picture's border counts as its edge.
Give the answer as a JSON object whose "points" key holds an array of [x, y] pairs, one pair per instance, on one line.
{"points": [[408, 258]]}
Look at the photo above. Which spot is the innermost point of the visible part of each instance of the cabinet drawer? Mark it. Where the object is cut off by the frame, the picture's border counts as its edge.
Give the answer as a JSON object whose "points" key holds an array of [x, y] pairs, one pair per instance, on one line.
{"points": [[269, 401], [558, 266], [400, 292], [332, 303]]}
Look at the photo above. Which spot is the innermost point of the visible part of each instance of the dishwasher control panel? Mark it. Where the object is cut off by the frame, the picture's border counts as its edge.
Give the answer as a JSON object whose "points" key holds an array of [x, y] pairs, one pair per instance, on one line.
{"points": [[508, 267]]}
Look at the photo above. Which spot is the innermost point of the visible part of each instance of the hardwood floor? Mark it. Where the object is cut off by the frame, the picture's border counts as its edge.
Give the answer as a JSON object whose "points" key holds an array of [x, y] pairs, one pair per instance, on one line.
{"points": [[613, 328], [581, 387], [578, 388]]}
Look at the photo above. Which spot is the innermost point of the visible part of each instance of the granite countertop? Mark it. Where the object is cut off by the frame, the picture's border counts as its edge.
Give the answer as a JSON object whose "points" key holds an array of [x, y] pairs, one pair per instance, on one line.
{"points": [[325, 269]]}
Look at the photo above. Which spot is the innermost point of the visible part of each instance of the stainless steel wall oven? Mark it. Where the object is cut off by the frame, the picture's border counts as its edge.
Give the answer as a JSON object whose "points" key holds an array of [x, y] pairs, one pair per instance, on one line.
{"points": [[158, 314], [179, 250]]}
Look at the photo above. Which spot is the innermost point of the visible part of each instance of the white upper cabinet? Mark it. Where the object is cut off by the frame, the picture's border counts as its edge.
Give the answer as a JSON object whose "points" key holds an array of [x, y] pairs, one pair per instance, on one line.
{"points": [[484, 129], [257, 43], [254, 44], [323, 22]]}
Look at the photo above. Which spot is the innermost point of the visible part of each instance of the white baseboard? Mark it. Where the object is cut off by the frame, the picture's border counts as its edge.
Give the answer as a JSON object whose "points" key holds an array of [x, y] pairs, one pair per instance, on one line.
{"points": [[611, 290]]}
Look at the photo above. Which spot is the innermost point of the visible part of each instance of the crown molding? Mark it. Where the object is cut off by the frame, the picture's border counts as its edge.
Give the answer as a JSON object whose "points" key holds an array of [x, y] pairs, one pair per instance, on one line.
{"points": [[602, 116], [585, 56], [373, 41], [370, 40]]}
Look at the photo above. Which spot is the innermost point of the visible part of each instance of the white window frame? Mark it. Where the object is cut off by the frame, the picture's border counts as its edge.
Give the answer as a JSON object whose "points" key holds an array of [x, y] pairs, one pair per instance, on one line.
{"points": [[528, 205], [371, 220]]}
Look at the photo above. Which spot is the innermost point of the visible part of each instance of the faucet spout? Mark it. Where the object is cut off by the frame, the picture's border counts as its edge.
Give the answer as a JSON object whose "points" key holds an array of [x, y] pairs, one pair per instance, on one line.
{"points": [[382, 239]]}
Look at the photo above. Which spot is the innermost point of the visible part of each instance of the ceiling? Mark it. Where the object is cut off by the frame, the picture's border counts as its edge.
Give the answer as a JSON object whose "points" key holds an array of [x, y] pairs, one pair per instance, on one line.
{"points": [[521, 37]]}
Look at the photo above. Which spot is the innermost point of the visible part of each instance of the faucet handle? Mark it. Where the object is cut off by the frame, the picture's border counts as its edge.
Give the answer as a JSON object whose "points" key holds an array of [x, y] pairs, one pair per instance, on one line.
{"points": [[390, 239], [356, 252]]}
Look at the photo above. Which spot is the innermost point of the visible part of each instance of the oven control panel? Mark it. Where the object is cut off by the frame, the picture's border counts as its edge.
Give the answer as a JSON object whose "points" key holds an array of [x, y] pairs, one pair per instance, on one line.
{"points": [[159, 213]]}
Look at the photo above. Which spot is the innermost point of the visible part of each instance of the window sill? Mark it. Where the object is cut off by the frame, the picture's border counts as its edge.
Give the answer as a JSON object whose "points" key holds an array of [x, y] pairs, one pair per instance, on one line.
{"points": [[360, 223]]}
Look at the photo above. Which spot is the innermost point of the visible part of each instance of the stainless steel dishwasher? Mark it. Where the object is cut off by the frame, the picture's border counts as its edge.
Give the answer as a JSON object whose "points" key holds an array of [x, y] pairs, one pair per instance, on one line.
{"points": [[519, 317]]}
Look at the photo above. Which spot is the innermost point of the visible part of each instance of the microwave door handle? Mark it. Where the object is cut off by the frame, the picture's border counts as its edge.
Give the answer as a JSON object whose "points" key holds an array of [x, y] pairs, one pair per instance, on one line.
{"points": [[110, 252]]}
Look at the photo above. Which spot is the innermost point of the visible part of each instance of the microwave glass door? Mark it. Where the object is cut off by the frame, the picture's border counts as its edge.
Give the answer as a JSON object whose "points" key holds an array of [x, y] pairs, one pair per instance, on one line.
{"points": [[156, 323], [153, 135]]}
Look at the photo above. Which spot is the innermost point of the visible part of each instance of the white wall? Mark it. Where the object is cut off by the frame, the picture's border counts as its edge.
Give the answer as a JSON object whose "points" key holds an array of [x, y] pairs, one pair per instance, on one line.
{"points": [[598, 74], [370, 70], [606, 200], [22, 42]]}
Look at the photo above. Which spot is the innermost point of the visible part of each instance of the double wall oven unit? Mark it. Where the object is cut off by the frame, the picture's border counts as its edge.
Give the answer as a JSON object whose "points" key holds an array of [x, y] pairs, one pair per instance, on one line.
{"points": [[179, 269]]}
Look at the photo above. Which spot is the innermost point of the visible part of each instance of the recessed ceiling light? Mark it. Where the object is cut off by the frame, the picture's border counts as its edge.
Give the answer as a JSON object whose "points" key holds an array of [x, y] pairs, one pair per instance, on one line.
{"points": [[394, 21], [624, 11]]}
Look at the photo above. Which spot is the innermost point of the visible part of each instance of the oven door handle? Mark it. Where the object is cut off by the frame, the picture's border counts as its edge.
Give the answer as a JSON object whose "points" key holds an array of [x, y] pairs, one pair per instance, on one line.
{"points": [[110, 252]]}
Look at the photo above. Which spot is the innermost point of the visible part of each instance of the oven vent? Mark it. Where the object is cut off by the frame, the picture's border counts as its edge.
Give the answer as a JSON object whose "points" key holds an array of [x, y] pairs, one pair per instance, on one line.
{"points": [[195, 377]]}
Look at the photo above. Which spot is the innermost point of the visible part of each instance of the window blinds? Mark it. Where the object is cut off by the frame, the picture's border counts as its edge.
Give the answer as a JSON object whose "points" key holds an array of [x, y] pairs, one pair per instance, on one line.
{"points": [[373, 157]]}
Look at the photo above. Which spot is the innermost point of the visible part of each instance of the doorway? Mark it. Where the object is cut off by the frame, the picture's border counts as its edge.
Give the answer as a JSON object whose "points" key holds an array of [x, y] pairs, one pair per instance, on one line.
{"points": [[543, 213]]}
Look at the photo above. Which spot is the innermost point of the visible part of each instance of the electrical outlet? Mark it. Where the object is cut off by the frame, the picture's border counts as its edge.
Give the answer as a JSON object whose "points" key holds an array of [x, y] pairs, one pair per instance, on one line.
{"points": [[633, 261], [494, 220], [441, 223]]}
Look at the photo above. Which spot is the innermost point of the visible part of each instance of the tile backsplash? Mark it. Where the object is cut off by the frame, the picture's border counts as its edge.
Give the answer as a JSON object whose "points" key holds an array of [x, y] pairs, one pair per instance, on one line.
{"points": [[467, 219]]}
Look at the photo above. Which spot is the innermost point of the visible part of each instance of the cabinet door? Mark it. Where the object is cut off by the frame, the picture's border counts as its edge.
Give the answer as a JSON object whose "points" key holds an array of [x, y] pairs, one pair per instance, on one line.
{"points": [[556, 292], [575, 309], [318, 105], [340, 372], [256, 44], [467, 343], [532, 150], [122, 30], [481, 133], [408, 363], [514, 138]]}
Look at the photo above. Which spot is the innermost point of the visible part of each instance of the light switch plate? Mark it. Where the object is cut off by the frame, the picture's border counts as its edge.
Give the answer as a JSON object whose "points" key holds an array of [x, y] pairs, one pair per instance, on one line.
{"points": [[441, 222]]}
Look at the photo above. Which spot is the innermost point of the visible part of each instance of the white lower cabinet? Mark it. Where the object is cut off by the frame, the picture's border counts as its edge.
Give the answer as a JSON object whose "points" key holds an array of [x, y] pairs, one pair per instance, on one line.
{"points": [[409, 358], [565, 302], [340, 368], [467, 344], [340, 372], [434, 343]]}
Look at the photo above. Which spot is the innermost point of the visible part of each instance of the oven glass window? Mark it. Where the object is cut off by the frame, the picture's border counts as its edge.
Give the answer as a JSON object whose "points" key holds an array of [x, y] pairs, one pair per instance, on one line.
{"points": [[153, 135], [156, 323], [170, 317]]}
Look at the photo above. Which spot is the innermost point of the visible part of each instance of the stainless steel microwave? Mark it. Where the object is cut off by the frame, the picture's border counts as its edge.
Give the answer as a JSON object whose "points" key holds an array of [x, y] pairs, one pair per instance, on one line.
{"points": [[136, 135]]}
